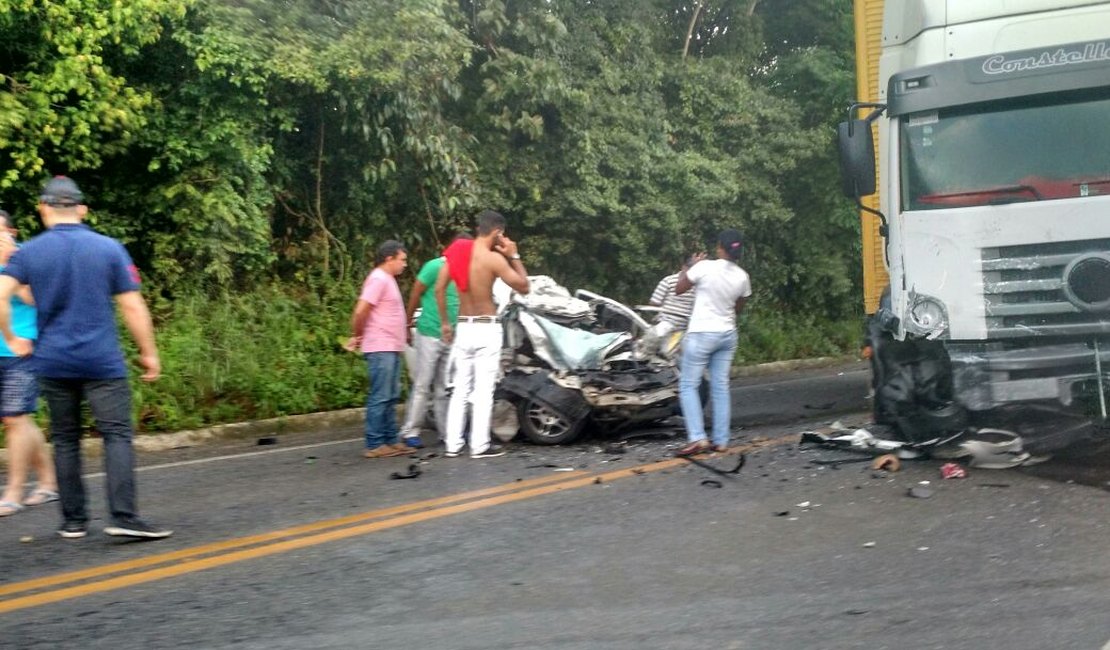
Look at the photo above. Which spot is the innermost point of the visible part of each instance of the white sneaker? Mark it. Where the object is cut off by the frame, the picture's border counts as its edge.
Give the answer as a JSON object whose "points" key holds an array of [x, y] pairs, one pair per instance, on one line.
{"points": [[490, 452]]}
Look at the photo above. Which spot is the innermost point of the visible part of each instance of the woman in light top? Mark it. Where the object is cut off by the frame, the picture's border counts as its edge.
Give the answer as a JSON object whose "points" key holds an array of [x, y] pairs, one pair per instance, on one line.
{"points": [[723, 289]]}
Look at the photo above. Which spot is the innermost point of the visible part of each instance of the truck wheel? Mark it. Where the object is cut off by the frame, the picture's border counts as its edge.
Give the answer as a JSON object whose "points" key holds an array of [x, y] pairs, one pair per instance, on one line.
{"points": [[544, 426]]}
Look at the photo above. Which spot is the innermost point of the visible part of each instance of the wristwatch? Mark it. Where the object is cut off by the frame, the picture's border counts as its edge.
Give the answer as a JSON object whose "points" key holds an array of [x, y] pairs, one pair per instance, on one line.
{"points": [[515, 256]]}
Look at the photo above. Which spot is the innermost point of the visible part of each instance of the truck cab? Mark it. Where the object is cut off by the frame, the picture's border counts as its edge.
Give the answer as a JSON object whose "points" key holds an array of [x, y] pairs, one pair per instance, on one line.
{"points": [[993, 127]]}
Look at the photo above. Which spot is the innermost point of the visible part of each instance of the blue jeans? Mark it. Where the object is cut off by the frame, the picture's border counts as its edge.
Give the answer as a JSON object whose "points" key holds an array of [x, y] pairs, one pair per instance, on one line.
{"points": [[110, 403], [699, 351], [384, 369]]}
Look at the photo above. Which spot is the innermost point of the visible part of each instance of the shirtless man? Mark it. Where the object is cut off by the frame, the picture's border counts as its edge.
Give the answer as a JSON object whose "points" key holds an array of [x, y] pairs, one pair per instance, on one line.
{"points": [[474, 265]]}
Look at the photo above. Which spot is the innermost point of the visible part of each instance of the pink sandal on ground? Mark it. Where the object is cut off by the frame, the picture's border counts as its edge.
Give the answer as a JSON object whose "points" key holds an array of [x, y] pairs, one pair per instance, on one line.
{"points": [[8, 508], [40, 496]]}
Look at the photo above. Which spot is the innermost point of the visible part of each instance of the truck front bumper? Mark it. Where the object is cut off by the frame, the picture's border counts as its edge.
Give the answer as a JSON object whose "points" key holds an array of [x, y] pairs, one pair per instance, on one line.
{"points": [[986, 378]]}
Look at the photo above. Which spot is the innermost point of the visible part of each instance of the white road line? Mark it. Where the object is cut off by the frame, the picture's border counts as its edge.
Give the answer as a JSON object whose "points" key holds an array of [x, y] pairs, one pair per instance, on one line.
{"points": [[199, 461]]}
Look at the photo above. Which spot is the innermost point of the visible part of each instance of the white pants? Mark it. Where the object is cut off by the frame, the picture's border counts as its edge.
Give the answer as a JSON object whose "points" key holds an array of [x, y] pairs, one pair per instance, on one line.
{"points": [[476, 355], [429, 381]]}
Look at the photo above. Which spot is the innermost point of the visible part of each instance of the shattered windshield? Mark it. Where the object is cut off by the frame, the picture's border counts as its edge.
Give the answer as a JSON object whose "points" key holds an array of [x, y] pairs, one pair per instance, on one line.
{"points": [[1027, 150]]}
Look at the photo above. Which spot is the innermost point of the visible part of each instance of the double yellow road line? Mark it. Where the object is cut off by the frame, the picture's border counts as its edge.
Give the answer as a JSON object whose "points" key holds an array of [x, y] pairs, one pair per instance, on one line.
{"points": [[108, 577]]}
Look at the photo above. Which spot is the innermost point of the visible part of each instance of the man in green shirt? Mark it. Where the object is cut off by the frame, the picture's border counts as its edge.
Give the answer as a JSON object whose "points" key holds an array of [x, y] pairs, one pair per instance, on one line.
{"points": [[429, 372]]}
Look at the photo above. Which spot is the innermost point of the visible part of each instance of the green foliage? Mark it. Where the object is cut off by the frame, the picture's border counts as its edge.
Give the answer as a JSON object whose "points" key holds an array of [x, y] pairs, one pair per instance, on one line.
{"points": [[629, 157], [357, 91], [809, 62], [63, 105]]}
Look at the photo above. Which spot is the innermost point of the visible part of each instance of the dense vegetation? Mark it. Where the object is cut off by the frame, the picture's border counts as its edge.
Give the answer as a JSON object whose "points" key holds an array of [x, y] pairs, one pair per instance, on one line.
{"points": [[252, 153]]}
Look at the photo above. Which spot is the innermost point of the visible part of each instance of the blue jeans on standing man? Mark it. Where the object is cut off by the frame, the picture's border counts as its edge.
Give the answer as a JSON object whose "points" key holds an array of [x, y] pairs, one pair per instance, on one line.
{"points": [[110, 404], [384, 369], [701, 350]]}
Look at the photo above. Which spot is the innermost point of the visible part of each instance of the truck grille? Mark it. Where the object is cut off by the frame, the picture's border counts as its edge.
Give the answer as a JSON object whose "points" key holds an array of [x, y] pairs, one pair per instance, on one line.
{"points": [[1023, 290]]}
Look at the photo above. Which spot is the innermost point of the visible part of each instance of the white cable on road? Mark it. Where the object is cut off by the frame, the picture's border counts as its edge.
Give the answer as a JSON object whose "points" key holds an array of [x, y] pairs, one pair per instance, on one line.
{"points": [[198, 461]]}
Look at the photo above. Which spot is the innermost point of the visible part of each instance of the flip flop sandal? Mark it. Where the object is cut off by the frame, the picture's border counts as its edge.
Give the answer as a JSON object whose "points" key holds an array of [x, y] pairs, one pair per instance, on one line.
{"points": [[8, 508], [40, 496]]}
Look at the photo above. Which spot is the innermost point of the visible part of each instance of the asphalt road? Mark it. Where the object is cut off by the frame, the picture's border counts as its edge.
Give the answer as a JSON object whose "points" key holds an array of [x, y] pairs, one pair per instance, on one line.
{"points": [[307, 545]]}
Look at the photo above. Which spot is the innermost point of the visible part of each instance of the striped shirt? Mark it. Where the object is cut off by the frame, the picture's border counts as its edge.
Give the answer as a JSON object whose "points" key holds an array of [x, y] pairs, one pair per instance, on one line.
{"points": [[676, 309]]}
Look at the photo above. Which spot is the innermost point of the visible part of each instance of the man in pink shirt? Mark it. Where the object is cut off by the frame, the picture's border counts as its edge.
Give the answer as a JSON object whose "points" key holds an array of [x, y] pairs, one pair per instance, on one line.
{"points": [[379, 330]]}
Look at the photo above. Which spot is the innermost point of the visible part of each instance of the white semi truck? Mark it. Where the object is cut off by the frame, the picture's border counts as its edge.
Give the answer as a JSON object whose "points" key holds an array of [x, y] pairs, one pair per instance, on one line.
{"points": [[993, 219]]}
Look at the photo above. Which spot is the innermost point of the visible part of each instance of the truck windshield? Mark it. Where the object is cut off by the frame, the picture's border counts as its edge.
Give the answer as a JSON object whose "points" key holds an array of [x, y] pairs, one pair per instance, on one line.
{"points": [[1024, 150]]}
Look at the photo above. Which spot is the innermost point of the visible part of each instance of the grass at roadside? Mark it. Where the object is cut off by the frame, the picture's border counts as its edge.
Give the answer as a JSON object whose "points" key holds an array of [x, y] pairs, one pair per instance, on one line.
{"points": [[270, 353], [770, 335]]}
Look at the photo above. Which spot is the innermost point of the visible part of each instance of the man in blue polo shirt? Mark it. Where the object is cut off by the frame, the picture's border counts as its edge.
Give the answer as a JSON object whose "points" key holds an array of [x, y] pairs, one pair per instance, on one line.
{"points": [[78, 277]]}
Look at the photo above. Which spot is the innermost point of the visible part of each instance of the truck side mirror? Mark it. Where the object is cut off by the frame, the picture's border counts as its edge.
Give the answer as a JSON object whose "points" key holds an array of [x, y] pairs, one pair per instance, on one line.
{"points": [[857, 158]]}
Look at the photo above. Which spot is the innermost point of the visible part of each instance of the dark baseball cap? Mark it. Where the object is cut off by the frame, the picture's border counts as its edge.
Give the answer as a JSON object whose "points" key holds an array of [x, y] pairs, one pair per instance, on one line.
{"points": [[732, 241], [61, 192]]}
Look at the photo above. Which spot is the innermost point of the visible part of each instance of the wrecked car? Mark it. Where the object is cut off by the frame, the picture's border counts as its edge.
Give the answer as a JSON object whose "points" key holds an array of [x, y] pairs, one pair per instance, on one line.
{"points": [[574, 361]]}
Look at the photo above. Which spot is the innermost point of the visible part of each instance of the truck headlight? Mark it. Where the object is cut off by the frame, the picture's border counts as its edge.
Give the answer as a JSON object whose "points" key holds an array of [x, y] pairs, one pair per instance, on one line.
{"points": [[928, 316]]}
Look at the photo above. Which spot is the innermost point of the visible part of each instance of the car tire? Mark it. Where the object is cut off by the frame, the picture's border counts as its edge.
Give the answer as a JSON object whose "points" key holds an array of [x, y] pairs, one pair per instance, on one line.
{"points": [[543, 425]]}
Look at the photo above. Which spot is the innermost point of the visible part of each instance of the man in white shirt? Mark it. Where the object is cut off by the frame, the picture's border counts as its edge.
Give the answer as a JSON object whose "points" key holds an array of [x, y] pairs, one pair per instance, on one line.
{"points": [[723, 289], [477, 336]]}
